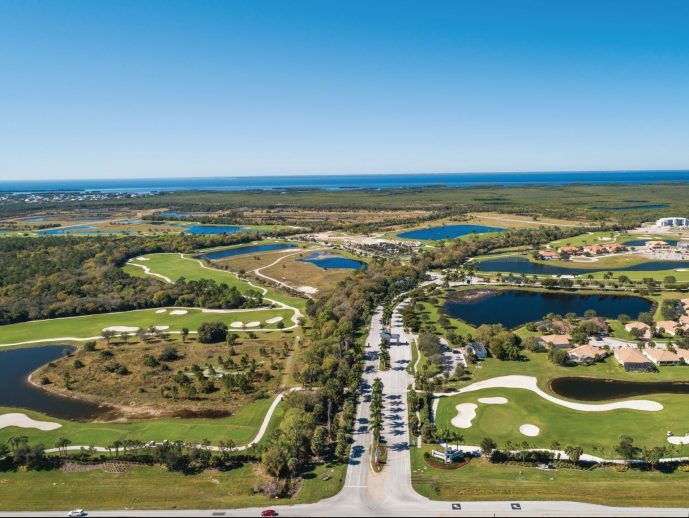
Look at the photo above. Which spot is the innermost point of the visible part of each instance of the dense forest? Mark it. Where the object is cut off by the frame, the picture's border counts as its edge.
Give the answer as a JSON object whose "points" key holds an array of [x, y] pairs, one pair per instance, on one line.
{"points": [[64, 276]]}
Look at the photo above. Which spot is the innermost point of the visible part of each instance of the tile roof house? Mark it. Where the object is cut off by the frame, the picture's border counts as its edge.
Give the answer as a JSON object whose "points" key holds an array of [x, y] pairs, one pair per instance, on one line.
{"points": [[555, 341], [633, 360], [669, 326], [547, 254], [662, 356], [586, 353], [683, 354], [639, 325], [570, 250]]}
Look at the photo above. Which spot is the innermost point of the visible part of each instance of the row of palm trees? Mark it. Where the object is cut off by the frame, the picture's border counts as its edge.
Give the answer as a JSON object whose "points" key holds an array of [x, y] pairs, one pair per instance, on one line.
{"points": [[376, 410]]}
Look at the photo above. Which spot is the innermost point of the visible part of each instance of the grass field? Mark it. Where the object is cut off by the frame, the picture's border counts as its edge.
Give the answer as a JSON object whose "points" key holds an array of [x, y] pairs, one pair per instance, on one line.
{"points": [[92, 325], [240, 427], [480, 480], [176, 266], [568, 427], [154, 488]]}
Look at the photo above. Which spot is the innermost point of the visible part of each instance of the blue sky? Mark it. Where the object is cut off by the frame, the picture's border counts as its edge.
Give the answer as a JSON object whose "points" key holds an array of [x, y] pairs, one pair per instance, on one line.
{"points": [[204, 88]]}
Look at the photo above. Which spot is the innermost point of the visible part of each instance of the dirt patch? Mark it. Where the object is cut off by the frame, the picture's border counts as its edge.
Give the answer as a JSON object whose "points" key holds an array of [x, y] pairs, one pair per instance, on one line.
{"points": [[470, 296]]}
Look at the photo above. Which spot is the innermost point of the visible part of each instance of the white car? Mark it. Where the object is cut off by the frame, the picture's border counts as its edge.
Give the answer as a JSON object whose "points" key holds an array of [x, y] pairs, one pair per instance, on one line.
{"points": [[76, 513]]}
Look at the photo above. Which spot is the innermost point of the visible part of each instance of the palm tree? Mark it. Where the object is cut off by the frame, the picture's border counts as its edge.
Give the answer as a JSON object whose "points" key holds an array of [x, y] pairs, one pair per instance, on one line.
{"points": [[61, 445]]}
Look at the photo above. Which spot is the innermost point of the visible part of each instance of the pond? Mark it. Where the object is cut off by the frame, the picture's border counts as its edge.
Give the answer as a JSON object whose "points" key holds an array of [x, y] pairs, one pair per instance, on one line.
{"points": [[513, 308], [636, 207], [642, 242], [231, 252], [75, 229], [212, 229], [175, 214], [598, 389], [447, 232], [333, 262], [527, 267], [16, 391]]}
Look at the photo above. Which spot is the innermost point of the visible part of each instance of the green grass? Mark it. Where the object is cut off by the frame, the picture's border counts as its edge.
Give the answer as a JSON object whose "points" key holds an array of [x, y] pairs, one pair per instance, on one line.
{"points": [[240, 427], [154, 488], [175, 266], [92, 325], [585, 239], [567, 426], [480, 480]]}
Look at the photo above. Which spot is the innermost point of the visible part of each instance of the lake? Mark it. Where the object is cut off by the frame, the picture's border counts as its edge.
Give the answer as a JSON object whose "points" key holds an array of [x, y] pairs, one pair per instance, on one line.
{"points": [[513, 308], [212, 229], [76, 229], [16, 391], [231, 252], [527, 267], [598, 389], [642, 242], [333, 262], [447, 232]]}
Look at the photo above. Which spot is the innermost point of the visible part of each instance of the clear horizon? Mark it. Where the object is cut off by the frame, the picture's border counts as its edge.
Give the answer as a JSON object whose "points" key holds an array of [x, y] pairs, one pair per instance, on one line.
{"points": [[180, 89]]}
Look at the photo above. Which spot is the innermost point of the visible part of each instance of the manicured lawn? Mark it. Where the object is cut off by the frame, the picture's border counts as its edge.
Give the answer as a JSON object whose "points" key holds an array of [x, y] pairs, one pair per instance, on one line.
{"points": [[596, 432], [585, 239], [240, 427], [92, 325], [480, 480], [154, 488]]}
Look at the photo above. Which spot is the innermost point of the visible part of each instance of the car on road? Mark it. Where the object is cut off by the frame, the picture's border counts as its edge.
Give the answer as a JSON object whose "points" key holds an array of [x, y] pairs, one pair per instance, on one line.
{"points": [[76, 513], [269, 512]]}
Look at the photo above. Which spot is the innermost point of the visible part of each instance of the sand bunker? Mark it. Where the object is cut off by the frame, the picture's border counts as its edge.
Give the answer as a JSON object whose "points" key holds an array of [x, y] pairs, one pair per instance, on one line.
{"points": [[678, 440], [179, 312], [531, 383], [159, 311], [465, 414], [161, 328], [274, 320], [493, 400], [237, 325], [309, 290], [122, 329], [529, 430], [142, 258], [24, 421], [253, 324]]}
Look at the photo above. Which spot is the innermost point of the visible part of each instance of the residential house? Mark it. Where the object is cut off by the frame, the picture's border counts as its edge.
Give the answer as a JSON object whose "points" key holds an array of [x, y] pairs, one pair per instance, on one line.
{"points": [[548, 255], [669, 326], [662, 356], [600, 323], [478, 349], [586, 353], [633, 360], [630, 326], [658, 245], [569, 250], [683, 354], [555, 341]]}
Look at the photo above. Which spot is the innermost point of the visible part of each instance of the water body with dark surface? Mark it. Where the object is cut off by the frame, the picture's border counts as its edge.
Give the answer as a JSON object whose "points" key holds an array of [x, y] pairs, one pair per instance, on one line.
{"points": [[243, 250], [16, 391], [332, 262], [599, 389], [642, 242], [77, 229], [513, 308], [351, 181], [447, 232], [521, 265], [635, 207], [212, 229]]}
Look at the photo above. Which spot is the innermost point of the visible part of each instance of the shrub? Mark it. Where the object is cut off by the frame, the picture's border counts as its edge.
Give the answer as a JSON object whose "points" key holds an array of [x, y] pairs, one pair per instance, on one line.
{"points": [[212, 332]]}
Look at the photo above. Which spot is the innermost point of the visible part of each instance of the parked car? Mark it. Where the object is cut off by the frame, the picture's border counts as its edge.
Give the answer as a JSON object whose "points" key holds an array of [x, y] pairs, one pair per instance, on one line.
{"points": [[269, 512], [76, 513]]}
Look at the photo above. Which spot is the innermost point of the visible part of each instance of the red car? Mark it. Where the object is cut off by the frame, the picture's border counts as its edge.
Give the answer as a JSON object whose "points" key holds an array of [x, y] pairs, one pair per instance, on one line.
{"points": [[269, 512]]}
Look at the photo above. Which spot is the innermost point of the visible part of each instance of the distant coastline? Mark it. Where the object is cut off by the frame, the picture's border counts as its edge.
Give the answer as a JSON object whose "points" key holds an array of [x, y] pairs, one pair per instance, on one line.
{"points": [[344, 182]]}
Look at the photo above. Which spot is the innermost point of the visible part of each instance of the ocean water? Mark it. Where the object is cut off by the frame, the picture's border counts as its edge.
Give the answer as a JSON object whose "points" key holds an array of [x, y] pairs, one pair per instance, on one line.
{"points": [[352, 181]]}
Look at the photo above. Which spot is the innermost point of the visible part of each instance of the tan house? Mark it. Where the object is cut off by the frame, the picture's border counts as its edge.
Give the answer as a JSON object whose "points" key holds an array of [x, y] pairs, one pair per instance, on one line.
{"points": [[639, 325], [662, 357], [569, 250], [684, 320], [669, 326], [657, 245], [633, 360], [555, 341], [547, 254], [586, 353], [683, 354]]}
